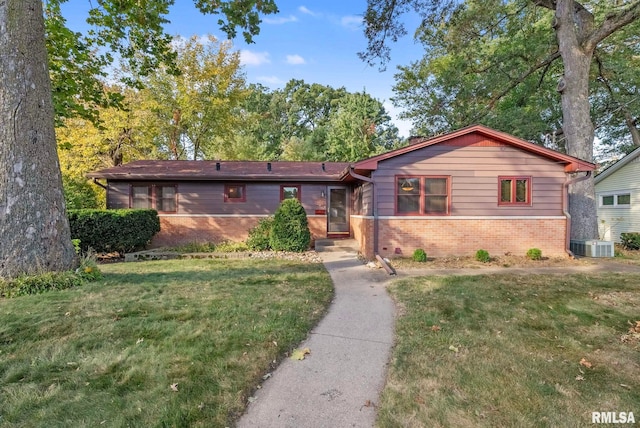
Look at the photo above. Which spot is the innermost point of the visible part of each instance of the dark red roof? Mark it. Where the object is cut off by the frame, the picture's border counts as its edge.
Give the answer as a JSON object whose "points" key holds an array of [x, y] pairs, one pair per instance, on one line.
{"points": [[223, 170]]}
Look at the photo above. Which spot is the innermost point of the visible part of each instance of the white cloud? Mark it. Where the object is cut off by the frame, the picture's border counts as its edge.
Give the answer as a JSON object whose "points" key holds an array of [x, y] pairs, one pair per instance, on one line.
{"points": [[295, 60], [272, 80], [248, 57], [280, 20], [352, 22], [303, 9]]}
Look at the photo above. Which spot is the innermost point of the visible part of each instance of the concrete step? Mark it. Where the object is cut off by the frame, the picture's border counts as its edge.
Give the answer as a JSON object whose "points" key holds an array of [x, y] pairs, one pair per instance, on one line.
{"points": [[338, 244]]}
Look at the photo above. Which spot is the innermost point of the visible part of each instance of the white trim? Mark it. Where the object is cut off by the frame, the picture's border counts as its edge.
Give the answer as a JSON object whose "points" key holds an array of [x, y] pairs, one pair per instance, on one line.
{"points": [[485, 217], [616, 166]]}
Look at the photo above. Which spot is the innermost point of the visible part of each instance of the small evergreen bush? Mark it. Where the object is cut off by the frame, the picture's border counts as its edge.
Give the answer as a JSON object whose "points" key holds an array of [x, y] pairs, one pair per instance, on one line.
{"points": [[534, 254], [290, 230], [113, 230], [483, 256], [258, 239], [630, 240], [419, 255]]}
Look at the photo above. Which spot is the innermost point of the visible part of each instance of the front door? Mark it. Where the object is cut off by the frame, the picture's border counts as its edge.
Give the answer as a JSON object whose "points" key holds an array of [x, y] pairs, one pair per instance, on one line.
{"points": [[338, 211]]}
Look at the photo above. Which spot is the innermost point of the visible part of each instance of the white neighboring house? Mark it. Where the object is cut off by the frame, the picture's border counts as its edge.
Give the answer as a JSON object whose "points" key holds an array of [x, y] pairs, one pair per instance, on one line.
{"points": [[618, 195]]}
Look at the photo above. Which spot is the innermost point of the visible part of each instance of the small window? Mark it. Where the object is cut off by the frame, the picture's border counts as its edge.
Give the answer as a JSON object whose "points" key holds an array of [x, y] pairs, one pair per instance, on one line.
{"points": [[165, 198], [234, 193], [426, 195], [616, 200], [141, 197], [515, 191], [289, 192]]}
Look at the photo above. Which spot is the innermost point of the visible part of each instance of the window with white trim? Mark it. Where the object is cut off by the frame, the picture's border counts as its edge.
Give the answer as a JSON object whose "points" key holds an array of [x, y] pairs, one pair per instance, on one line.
{"points": [[616, 200]]}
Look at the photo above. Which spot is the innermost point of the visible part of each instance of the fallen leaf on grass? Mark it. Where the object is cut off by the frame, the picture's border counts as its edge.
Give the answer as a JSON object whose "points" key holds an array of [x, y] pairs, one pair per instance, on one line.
{"points": [[634, 328], [299, 354], [579, 377], [454, 348], [585, 363], [174, 387], [435, 328], [139, 341]]}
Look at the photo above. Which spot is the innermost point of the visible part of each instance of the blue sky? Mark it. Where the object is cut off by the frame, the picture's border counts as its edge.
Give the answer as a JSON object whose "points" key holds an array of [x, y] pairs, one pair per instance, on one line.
{"points": [[317, 42]]}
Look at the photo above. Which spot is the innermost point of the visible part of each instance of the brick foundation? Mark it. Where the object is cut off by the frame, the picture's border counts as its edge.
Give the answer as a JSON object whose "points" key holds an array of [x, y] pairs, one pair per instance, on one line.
{"points": [[179, 230], [462, 237]]}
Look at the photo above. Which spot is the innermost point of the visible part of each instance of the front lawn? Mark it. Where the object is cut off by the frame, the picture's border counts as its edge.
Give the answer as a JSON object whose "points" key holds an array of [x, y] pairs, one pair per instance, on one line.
{"points": [[526, 351], [172, 343]]}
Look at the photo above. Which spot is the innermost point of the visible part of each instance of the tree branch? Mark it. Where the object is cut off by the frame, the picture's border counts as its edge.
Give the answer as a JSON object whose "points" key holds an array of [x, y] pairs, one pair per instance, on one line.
{"points": [[542, 64], [612, 23]]}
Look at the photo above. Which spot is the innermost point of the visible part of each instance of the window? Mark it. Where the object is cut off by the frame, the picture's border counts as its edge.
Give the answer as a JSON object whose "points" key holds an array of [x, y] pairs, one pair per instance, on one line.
{"points": [[289, 192], [515, 191], [141, 197], [165, 198], [234, 193], [615, 200], [427, 195], [158, 197]]}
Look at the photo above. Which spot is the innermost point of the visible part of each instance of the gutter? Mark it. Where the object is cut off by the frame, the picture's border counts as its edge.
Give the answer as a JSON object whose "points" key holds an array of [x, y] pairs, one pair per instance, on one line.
{"points": [[353, 174], [565, 209], [97, 183]]}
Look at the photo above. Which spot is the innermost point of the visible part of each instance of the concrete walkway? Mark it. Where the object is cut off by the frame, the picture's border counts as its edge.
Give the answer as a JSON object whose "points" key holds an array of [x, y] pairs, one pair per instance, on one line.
{"points": [[339, 383]]}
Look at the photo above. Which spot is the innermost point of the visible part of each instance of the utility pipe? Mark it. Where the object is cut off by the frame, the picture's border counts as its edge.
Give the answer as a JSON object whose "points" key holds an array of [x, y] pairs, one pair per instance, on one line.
{"points": [[565, 209]]}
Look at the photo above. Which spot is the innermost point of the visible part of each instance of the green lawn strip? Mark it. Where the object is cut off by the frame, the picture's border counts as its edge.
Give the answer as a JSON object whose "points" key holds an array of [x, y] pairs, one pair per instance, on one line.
{"points": [[108, 353], [506, 351]]}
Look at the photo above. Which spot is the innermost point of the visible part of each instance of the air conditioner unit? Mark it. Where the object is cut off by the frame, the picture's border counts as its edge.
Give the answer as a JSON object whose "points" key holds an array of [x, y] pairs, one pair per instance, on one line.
{"points": [[592, 248]]}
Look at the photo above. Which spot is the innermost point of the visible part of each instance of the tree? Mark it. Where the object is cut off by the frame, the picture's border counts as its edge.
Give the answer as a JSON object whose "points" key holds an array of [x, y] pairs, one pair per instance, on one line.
{"points": [[198, 107], [360, 127], [579, 29], [33, 224]]}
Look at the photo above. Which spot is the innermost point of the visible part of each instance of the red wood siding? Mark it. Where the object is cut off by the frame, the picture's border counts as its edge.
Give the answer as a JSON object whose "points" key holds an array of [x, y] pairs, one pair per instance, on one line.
{"points": [[474, 172]]}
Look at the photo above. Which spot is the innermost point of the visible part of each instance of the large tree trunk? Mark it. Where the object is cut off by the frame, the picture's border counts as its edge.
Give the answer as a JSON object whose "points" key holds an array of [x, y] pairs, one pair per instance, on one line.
{"points": [[34, 230], [576, 115]]}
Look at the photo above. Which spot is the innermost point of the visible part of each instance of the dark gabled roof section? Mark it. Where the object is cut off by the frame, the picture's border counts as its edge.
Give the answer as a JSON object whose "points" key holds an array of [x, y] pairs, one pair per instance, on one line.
{"points": [[617, 165], [180, 170], [571, 163]]}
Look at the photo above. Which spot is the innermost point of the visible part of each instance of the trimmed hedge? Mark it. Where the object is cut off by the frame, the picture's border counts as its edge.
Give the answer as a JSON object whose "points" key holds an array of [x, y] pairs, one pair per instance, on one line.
{"points": [[119, 231]]}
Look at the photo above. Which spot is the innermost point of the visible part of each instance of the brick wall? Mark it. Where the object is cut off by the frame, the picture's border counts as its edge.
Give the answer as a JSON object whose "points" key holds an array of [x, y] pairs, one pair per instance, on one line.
{"points": [[463, 237], [177, 230]]}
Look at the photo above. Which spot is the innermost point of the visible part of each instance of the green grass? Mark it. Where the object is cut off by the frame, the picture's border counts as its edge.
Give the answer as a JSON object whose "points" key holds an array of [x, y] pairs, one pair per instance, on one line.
{"points": [[488, 351], [106, 354]]}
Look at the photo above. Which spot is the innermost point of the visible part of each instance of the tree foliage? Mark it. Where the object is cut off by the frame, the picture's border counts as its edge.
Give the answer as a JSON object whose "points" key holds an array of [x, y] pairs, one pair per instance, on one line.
{"points": [[509, 43]]}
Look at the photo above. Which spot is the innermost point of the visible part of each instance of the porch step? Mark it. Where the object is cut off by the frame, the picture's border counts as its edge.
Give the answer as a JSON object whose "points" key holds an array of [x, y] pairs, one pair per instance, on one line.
{"points": [[342, 244]]}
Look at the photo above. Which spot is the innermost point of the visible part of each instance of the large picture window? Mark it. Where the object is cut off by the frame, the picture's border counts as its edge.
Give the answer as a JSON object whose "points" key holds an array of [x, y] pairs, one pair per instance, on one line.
{"points": [[514, 191], [162, 198], [422, 195]]}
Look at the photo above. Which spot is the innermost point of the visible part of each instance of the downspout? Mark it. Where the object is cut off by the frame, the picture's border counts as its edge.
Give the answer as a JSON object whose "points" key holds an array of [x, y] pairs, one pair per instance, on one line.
{"points": [[565, 209], [373, 202]]}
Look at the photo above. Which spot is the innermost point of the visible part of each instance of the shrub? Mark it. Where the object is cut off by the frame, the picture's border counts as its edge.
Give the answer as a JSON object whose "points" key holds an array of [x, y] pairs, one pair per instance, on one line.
{"points": [[534, 254], [88, 268], [419, 255], [36, 284], [231, 247], [290, 230], [113, 230], [630, 240], [483, 256], [258, 239], [195, 247]]}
